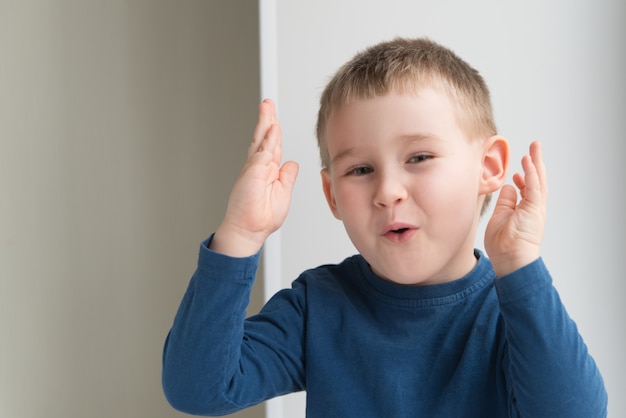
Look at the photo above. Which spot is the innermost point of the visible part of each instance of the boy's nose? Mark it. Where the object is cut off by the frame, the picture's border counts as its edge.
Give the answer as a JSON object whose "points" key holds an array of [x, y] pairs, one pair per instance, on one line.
{"points": [[390, 191]]}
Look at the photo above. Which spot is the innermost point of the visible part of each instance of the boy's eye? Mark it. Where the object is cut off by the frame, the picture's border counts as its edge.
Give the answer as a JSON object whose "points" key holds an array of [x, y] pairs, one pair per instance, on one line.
{"points": [[359, 171], [419, 158]]}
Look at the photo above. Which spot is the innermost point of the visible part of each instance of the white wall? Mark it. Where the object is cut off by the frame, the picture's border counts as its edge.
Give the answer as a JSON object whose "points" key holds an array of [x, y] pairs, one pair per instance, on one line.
{"points": [[556, 72], [123, 125]]}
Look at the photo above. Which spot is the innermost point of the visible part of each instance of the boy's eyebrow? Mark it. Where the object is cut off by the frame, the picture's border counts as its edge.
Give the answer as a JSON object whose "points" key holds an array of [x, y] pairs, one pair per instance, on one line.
{"points": [[343, 154], [409, 138], [419, 137]]}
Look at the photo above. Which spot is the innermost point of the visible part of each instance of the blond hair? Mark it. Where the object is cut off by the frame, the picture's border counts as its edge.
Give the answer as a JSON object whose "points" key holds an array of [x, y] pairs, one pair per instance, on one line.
{"points": [[406, 65]]}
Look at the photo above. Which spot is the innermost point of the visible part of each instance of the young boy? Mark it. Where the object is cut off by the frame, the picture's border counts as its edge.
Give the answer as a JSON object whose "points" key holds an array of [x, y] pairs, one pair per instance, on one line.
{"points": [[419, 324]]}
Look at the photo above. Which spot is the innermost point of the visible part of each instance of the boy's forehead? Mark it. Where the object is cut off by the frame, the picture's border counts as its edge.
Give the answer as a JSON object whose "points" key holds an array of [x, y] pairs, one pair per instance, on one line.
{"points": [[408, 87], [429, 111], [357, 107]]}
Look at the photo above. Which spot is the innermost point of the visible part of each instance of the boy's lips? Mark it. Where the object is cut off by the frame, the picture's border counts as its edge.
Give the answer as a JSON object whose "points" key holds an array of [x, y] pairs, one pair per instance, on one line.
{"points": [[399, 232]]}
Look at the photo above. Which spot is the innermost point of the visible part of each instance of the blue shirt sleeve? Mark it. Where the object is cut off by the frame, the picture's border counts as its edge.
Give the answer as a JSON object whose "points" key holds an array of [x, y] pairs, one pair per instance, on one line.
{"points": [[548, 369], [233, 364]]}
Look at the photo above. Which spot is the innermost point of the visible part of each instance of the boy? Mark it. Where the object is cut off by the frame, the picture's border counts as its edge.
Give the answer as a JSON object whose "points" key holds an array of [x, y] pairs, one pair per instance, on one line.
{"points": [[418, 324]]}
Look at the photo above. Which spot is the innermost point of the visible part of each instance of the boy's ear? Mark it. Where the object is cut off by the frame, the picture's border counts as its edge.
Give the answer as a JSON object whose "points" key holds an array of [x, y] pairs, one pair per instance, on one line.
{"points": [[328, 192], [495, 164]]}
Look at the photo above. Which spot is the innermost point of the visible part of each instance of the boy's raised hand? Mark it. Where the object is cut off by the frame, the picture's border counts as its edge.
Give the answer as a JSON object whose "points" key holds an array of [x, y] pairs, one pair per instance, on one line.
{"points": [[260, 199], [514, 232]]}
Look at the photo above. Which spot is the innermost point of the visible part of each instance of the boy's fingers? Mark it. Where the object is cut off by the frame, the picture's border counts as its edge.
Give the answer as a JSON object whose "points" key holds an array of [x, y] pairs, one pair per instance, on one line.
{"points": [[267, 117], [277, 146], [272, 143], [272, 110], [519, 181], [534, 175], [536, 156]]}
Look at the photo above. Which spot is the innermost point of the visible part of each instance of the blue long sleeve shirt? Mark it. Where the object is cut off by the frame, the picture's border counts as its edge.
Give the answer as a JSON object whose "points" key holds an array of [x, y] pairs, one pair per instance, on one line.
{"points": [[362, 347]]}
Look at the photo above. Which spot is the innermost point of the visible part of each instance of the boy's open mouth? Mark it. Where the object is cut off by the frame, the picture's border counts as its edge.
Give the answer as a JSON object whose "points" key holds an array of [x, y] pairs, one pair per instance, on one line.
{"points": [[399, 232]]}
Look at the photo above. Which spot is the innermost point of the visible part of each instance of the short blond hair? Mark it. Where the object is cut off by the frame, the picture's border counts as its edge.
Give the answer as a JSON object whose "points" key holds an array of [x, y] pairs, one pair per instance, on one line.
{"points": [[406, 65]]}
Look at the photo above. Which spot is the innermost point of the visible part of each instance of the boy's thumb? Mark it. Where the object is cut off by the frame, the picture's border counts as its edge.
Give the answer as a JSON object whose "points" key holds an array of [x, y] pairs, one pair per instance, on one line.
{"points": [[507, 200], [288, 174]]}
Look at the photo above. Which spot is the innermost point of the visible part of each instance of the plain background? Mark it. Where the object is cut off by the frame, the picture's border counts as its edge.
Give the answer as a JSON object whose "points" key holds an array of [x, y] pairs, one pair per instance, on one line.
{"points": [[556, 73]]}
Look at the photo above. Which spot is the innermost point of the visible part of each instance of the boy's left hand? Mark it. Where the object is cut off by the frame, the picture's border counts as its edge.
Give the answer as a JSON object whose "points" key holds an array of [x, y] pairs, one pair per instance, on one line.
{"points": [[515, 230]]}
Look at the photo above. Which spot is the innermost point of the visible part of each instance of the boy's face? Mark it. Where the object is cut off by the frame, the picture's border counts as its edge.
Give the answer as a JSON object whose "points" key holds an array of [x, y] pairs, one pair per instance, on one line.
{"points": [[405, 180]]}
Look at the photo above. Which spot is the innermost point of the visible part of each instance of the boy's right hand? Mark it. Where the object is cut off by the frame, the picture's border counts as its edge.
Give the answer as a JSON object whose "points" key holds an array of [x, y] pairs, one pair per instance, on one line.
{"points": [[260, 199]]}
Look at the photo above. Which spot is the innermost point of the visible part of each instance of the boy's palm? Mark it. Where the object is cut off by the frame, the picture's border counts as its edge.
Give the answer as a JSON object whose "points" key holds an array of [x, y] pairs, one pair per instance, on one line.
{"points": [[260, 199], [514, 232]]}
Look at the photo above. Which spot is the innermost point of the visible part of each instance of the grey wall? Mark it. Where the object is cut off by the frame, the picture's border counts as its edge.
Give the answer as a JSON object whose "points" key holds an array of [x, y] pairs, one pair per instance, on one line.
{"points": [[556, 71], [123, 125]]}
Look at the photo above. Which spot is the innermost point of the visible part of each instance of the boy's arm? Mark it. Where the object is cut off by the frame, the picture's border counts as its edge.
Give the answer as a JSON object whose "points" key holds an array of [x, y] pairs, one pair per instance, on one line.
{"points": [[214, 361], [209, 364], [548, 369]]}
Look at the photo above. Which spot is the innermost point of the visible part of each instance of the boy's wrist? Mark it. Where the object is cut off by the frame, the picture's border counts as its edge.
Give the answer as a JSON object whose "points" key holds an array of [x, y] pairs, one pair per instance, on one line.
{"points": [[507, 264], [233, 243]]}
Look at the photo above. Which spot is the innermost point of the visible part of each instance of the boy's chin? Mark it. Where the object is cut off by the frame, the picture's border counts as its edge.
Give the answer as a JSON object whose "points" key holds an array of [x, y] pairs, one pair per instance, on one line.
{"points": [[400, 277]]}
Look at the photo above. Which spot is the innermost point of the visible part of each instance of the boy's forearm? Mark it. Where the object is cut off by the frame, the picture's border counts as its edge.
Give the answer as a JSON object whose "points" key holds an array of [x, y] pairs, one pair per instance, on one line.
{"points": [[202, 346], [549, 370]]}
